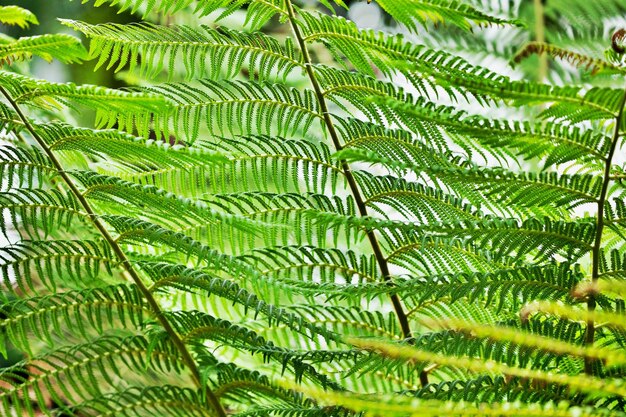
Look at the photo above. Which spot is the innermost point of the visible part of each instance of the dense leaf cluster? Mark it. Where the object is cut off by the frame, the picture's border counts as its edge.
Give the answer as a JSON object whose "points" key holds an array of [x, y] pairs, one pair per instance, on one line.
{"points": [[301, 217]]}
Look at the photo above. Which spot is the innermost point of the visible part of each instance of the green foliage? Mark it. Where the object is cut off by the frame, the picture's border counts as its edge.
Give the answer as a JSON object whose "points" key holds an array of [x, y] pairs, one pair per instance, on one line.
{"points": [[286, 214], [14, 15]]}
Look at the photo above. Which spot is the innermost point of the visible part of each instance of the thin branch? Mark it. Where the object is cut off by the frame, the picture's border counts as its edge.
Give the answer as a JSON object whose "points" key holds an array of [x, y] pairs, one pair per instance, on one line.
{"points": [[212, 400], [354, 188], [597, 244]]}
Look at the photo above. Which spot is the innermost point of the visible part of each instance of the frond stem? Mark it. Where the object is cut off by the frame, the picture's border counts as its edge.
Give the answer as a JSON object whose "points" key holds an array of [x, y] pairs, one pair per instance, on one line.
{"points": [[597, 245], [212, 400], [354, 188], [540, 36]]}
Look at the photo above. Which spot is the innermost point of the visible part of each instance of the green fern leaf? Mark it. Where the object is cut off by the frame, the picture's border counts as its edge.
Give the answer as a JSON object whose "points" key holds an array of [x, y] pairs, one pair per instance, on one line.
{"points": [[64, 48], [234, 107], [413, 12], [155, 48], [14, 15]]}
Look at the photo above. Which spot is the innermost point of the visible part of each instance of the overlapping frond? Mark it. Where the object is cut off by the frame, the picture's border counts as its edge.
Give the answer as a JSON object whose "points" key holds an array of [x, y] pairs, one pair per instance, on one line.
{"points": [[85, 371], [478, 184], [335, 222], [150, 49], [258, 11], [162, 399], [49, 317], [64, 48], [23, 167], [76, 263], [414, 12], [220, 107], [126, 109]]}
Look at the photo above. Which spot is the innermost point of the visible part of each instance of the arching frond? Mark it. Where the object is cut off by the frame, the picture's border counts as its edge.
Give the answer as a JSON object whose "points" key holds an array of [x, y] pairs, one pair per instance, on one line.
{"points": [[574, 58], [267, 163], [294, 215], [80, 311], [83, 372], [14, 15], [21, 167], [127, 109], [512, 188], [258, 11], [163, 399], [64, 48], [154, 48], [35, 213], [234, 107], [414, 12], [76, 263]]}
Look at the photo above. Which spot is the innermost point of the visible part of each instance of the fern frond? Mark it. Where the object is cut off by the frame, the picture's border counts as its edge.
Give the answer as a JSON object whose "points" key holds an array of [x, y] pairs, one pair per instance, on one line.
{"points": [[506, 334], [379, 101], [129, 151], [267, 163], [177, 276], [353, 321], [579, 60], [36, 213], [258, 11], [509, 287], [83, 372], [296, 217], [558, 143], [512, 188], [133, 231], [244, 386], [234, 107], [603, 103], [154, 48], [612, 264], [360, 47], [401, 406], [573, 313], [14, 15], [294, 411], [163, 400], [429, 120], [81, 311], [346, 226], [358, 90], [312, 264], [505, 237], [426, 68], [458, 13], [20, 167], [127, 109], [64, 48], [579, 383], [201, 327], [149, 162], [135, 199], [73, 262]]}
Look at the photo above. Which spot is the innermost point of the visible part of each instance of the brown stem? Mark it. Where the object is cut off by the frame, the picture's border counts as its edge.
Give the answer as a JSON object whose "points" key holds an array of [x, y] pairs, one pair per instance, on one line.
{"points": [[597, 245], [212, 400], [354, 188]]}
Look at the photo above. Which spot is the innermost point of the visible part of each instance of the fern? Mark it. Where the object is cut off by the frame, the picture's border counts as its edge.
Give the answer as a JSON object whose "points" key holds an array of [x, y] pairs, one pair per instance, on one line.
{"points": [[298, 216], [14, 15]]}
